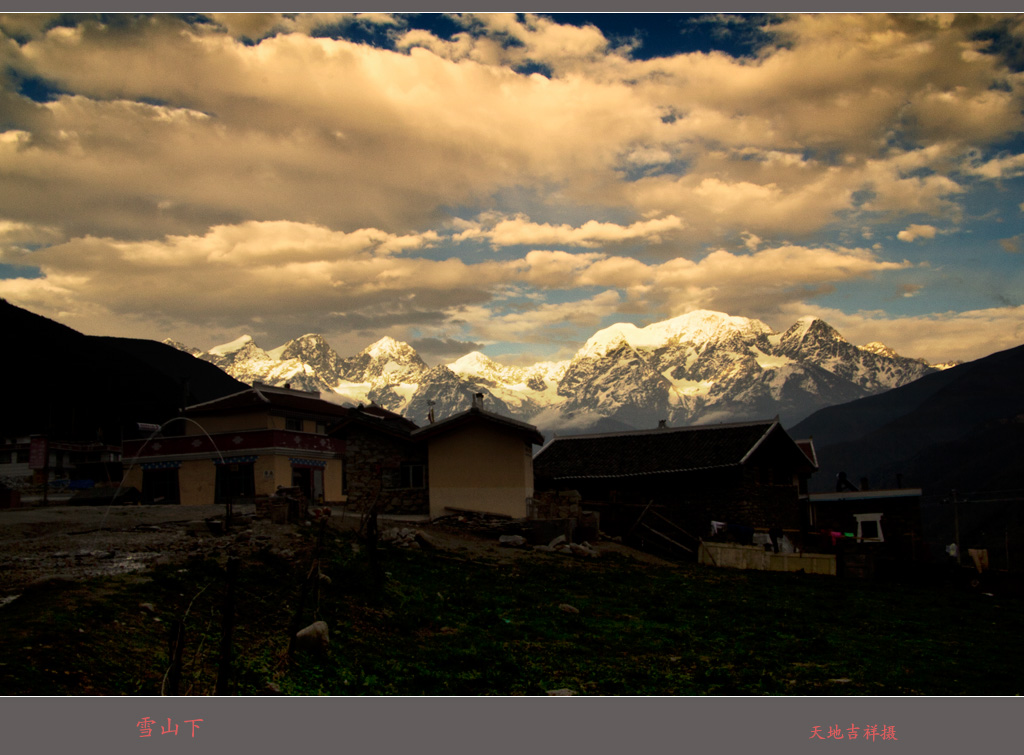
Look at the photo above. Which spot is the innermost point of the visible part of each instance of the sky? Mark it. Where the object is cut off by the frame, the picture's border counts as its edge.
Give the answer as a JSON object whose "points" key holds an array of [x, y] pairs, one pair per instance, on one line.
{"points": [[511, 183]]}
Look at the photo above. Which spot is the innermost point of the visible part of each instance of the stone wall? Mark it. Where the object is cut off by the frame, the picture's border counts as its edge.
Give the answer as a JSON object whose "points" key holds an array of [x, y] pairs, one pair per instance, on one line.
{"points": [[369, 459]]}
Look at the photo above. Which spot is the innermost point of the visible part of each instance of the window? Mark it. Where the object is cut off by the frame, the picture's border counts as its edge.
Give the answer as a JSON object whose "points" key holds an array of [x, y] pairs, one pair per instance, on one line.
{"points": [[869, 527], [293, 423], [404, 476]]}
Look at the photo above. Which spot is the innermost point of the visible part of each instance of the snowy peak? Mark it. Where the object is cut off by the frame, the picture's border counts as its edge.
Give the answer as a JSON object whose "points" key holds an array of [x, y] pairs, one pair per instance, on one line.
{"points": [[312, 349], [876, 347], [231, 347], [701, 327], [385, 362], [476, 365], [182, 347]]}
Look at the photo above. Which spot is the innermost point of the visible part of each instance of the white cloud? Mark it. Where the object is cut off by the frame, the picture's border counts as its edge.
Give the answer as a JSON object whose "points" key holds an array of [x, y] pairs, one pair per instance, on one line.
{"points": [[914, 232], [520, 230]]}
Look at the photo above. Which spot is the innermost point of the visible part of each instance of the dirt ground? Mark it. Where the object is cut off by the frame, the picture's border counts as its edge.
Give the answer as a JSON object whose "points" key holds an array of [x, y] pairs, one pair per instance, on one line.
{"points": [[80, 542]]}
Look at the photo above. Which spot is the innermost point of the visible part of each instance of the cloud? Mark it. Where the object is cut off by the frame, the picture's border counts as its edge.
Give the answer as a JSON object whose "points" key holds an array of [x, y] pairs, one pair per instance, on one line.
{"points": [[750, 144], [169, 169], [520, 230], [435, 349], [1013, 245], [914, 232], [552, 322]]}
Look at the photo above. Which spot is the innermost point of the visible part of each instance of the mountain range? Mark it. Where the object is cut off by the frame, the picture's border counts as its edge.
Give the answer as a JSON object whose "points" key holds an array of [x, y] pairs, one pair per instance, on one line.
{"points": [[697, 368]]}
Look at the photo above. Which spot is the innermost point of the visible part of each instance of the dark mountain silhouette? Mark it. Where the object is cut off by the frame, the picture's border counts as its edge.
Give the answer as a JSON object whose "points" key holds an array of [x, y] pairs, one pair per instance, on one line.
{"points": [[71, 386], [962, 428]]}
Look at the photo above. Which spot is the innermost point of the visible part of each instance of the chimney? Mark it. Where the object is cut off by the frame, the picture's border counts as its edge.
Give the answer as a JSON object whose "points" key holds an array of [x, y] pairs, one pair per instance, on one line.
{"points": [[478, 401]]}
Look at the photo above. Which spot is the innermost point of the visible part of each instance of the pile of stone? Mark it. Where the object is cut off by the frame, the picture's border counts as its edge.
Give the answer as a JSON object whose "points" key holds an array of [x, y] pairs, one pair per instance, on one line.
{"points": [[405, 537], [561, 545]]}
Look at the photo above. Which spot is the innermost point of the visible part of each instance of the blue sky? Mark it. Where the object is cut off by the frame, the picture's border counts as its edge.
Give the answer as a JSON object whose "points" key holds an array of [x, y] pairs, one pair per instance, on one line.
{"points": [[512, 183]]}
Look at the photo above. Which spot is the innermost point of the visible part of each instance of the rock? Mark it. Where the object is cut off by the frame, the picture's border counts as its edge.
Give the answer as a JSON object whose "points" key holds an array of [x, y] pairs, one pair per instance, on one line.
{"points": [[147, 607], [313, 637], [557, 541], [513, 541], [425, 542], [568, 608], [544, 548], [564, 692]]}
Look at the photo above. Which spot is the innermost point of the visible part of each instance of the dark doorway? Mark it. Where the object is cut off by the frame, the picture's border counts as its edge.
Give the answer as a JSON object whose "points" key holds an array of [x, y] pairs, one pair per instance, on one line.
{"points": [[235, 481]]}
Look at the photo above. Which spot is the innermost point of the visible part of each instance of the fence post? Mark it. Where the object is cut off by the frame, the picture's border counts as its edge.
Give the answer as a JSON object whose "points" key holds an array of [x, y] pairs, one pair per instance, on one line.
{"points": [[228, 626]]}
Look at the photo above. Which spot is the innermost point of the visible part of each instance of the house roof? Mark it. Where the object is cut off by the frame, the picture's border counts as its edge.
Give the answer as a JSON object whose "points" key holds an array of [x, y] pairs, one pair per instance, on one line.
{"points": [[376, 418], [807, 446], [475, 415], [661, 451], [864, 495], [267, 398]]}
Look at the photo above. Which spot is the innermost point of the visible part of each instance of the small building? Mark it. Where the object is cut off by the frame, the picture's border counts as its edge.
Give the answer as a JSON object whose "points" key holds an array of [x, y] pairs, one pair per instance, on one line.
{"points": [[243, 445], [62, 462], [480, 462], [746, 474], [892, 517]]}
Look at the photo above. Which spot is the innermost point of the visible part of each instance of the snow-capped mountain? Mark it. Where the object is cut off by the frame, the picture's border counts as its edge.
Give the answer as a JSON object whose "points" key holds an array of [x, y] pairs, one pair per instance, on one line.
{"points": [[386, 362], [294, 363], [700, 367], [524, 390], [707, 366]]}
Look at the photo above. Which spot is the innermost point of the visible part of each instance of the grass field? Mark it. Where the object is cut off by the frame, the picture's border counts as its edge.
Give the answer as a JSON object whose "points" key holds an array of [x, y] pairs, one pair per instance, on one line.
{"points": [[436, 625]]}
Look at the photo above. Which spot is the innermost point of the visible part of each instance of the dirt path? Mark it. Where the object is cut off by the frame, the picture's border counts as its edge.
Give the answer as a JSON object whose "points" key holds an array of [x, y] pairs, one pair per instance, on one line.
{"points": [[79, 542]]}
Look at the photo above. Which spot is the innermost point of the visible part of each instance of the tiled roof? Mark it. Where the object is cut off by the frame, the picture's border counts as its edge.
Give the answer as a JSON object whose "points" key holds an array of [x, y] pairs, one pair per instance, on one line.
{"points": [[646, 452], [475, 415], [375, 418]]}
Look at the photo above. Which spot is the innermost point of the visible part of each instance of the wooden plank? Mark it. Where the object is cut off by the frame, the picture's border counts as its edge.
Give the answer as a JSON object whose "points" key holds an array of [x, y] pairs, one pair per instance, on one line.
{"points": [[669, 521], [666, 537]]}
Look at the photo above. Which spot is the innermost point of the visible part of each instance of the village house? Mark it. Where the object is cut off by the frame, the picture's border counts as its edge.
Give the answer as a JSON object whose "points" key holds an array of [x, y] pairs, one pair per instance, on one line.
{"points": [[249, 444], [480, 462], [243, 445], [38, 460], [746, 476], [891, 517]]}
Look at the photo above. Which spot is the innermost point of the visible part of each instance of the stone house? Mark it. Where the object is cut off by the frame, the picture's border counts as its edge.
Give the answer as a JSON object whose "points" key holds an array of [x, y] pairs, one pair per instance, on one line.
{"points": [[748, 474]]}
